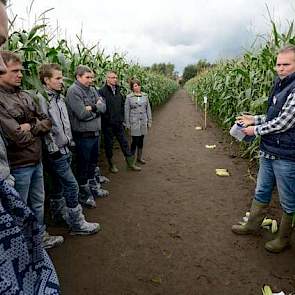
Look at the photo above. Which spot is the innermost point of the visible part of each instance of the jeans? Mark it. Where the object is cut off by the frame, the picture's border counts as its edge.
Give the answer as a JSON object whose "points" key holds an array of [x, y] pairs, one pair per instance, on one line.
{"points": [[281, 173], [29, 183], [117, 131], [64, 183], [87, 149]]}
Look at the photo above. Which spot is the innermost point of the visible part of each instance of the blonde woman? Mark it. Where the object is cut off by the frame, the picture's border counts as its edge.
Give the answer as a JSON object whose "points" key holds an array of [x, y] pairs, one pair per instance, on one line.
{"points": [[138, 117]]}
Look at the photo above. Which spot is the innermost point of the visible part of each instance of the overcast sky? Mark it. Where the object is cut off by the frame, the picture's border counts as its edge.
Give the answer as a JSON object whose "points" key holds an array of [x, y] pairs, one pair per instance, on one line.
{"points": [[153, 31]]}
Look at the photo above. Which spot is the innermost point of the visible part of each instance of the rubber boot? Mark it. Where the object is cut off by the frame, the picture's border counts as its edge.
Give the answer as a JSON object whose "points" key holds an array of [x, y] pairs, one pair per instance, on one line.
{"points": [[257, 214], [96, 189], [139, 157], [100, 178], [85, 196], [283, 239], [49, 241], [131, 165], [56, 209], [112, 167], [77, 223]]}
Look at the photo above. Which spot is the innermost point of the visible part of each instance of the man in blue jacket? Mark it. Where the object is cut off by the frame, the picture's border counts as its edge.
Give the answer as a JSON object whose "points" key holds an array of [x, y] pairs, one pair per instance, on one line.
{"points": [[277, 153]]}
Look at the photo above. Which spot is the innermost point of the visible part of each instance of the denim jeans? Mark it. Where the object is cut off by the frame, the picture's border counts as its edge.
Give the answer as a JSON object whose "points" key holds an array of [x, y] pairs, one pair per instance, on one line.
{"points": [[87, 149], [281, 173], [29, 183], [64, 183]]}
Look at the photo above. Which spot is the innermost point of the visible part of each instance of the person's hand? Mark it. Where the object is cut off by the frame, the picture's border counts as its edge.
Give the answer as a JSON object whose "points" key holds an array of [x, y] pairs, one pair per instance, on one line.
{"points": [[99, 101], [249, 130], [149, 125], [245, 120], [25, 127], [88, 108]]}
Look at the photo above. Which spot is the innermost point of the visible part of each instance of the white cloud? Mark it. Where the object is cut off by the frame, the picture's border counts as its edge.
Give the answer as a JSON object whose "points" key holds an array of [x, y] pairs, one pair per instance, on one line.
{"points": [[180, 32]]}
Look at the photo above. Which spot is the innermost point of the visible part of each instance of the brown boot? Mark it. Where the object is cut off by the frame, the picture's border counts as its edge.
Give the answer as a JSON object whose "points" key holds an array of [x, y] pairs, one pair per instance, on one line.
{"points": [[257, 214], [139, 157], [283, 239]]}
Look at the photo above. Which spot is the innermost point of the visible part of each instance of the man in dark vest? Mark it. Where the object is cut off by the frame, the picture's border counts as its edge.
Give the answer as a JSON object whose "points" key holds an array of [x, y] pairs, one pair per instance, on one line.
{"points": [[277, 153], [112, 122]]}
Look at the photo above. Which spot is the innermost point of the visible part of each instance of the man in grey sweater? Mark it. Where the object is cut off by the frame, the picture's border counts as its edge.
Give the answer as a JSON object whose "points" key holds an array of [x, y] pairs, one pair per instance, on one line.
{"points": [[85, 107]]}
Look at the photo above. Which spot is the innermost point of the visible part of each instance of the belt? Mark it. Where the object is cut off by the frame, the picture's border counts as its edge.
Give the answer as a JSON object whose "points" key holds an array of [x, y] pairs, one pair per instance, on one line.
{"points": [[86, 134]]}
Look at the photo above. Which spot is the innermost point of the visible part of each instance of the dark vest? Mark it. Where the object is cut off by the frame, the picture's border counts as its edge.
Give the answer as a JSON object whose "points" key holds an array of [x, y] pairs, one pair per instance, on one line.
{"points": [[281, 145], [114, 114]]}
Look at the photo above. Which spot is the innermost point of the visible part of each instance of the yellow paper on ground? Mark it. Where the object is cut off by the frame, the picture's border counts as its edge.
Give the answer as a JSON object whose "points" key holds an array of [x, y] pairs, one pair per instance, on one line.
{"points": [[198, 128]]}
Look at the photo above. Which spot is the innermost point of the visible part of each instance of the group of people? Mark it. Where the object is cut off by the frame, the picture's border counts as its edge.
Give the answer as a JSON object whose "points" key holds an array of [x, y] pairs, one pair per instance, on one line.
{"points": [[56, 125], [39, 129], [45, 133], [43, 128]]}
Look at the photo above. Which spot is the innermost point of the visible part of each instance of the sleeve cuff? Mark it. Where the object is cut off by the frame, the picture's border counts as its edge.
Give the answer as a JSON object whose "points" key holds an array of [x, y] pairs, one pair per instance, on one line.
{"points": [[257, 130]]}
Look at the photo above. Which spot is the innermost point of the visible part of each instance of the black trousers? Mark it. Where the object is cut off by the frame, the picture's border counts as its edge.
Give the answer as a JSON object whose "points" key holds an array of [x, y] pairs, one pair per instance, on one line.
{"points": [[111, 131], [137, 142]]}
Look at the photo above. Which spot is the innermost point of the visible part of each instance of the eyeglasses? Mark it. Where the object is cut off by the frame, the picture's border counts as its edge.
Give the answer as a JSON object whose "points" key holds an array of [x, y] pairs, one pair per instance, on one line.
{"points": [[113, 77]]}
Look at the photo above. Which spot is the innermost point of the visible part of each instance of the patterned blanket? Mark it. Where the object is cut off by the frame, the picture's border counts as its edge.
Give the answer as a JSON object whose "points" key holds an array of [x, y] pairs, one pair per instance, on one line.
{"points": [[25, 267]]}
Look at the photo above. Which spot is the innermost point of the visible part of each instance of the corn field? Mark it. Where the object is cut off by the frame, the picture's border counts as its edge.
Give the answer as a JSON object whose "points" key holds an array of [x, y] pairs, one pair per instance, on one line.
{"points": [[34, 47], [241, 85]]}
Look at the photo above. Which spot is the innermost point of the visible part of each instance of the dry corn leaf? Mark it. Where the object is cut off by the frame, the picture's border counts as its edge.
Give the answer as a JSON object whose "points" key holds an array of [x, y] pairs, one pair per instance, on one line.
{"points": [[221, 172], [210, 146], [156, 280]]}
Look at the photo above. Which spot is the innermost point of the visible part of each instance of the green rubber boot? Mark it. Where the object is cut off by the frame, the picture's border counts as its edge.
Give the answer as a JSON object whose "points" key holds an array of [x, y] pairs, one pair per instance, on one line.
{"points": [[112, 167], [283, 239], [140, 159], [131, 164], [257, 214]]}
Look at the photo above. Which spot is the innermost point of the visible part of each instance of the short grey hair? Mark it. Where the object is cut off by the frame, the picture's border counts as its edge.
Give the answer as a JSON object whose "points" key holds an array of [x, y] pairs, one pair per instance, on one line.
{"points": [[82, 69], [287, 48], [111, 72]]}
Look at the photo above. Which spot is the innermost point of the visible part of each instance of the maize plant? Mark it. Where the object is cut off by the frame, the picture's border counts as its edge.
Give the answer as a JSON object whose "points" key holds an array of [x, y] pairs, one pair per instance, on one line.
{"points": [[242, 84], [35, 47]]}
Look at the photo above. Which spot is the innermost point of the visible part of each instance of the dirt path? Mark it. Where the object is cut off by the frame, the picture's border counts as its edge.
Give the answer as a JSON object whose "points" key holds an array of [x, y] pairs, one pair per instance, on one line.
{"points": [[166, 230]]}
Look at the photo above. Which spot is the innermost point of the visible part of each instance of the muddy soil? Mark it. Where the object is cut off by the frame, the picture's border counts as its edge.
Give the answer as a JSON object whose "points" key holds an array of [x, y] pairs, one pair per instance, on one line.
{"points": [[167, 229]]}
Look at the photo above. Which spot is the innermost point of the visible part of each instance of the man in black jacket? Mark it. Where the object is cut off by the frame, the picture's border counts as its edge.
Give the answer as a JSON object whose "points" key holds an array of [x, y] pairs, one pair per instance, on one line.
{"points": [[112, 122]]}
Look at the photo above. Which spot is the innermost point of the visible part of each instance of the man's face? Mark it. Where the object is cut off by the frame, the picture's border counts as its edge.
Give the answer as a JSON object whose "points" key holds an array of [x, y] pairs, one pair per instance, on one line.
{"points": [[13, 75], [3, 33], [112, 79], [55, 82], [285, 64], [86, 79]]}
